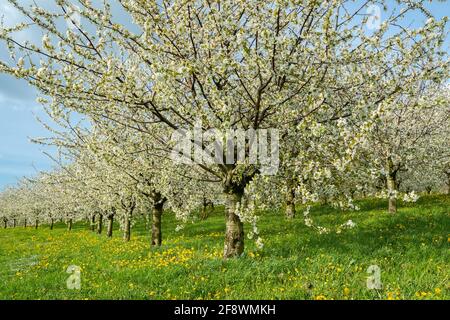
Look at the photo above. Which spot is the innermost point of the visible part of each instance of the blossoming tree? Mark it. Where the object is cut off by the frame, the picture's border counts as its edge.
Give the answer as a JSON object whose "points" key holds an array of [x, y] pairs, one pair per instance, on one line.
{"points": [[231, 64]]}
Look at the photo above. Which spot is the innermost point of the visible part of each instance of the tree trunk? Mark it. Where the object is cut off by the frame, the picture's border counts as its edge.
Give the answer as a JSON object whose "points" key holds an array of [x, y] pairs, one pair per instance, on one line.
{"points": [[69, 225], [51, 223], [14, 223], [204, 213], [109, 232], [36, 224], [234, 234], [392, 195], [448, 183], [93, 222], [25, 223], [5, 223], [156, 224], [392, 187], [204, 210], [127, 229], [290, 202], [100, 224]]}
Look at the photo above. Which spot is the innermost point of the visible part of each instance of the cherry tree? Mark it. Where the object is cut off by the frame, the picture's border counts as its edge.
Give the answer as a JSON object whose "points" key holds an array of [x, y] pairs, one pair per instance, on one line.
{"points": [[401, 143], [231, 64]]}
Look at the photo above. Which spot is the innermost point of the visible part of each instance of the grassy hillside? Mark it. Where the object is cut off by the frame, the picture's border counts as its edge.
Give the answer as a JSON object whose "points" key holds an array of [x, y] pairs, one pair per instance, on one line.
{"points": [[411, 248]]}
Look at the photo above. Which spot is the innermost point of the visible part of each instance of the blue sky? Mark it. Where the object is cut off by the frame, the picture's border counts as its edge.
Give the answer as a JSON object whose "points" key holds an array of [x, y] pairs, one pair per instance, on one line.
{"points": [[18, 156], [18, 109]]}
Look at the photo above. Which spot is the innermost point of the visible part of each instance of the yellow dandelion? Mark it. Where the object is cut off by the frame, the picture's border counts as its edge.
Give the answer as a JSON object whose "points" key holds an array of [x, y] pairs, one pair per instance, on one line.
{"points": [[391, 296], [346, 291]]}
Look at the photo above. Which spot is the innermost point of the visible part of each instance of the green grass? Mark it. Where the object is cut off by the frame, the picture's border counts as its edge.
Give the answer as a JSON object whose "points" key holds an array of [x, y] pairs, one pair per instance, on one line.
{"points": [[411, 248]]}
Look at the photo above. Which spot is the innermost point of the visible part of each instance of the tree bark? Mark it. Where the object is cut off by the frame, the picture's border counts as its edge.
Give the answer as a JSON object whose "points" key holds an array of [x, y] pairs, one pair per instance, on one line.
{"points": [[392, 187], [14, 223], [36, 224], [127, 229], [93, 223], [392, 197], [234, 234], [100, 224], [51, 223], [448, 183], [109, 232], [204, 212], [290, 201], [5, 223], [156, 224], [69, 225], [25, 223]]}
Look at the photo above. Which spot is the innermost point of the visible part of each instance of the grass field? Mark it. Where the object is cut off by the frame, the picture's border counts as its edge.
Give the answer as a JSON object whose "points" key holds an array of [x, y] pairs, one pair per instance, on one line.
{"points": [[411, 248]]}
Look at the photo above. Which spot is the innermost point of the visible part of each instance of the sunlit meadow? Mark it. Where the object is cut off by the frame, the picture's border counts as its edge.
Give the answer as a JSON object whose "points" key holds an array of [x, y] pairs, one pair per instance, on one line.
{"points": [[411, 248]]}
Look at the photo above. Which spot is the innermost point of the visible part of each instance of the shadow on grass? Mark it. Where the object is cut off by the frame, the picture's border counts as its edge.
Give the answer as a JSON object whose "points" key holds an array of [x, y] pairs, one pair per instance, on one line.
{"points": [[425, 223]]}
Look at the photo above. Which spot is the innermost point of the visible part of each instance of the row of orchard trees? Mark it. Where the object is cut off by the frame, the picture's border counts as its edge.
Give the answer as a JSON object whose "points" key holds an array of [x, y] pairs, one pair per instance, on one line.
{"points": [[102, 179], [357, 110]]}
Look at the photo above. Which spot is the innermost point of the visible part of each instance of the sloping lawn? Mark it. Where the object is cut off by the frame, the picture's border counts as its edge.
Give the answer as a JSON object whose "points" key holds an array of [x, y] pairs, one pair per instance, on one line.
{"points": [[411, 249]]}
